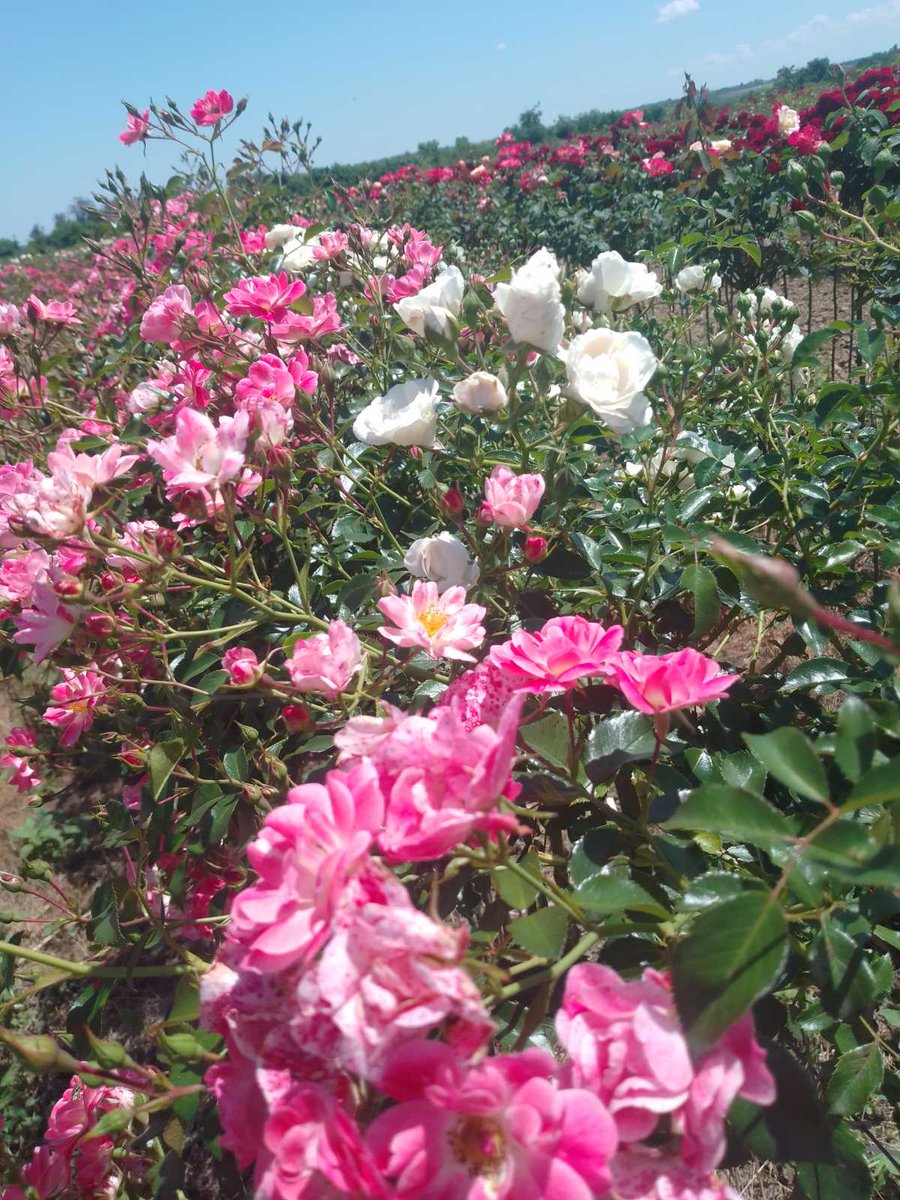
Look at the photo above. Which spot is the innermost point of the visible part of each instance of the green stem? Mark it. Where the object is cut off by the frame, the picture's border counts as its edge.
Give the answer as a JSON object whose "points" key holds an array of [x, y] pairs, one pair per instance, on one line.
{"points": [[92, 971]]}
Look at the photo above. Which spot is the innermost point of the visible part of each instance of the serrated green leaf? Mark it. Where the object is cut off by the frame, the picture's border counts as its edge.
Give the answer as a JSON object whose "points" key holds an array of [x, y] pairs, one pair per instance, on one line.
{"points": [[163, 759], [732, 955], [791, 757], [542, 933], [614, 893], [857, 1074], [732, 813]]}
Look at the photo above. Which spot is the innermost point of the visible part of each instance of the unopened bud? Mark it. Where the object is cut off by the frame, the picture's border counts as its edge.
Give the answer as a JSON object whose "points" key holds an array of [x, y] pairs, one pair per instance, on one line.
{"points": [[280, 460], [385, 586], [40, 1052], [100, 625], [69, 588], [296, 719], [452, 502], [535, 549], [168, 543]]}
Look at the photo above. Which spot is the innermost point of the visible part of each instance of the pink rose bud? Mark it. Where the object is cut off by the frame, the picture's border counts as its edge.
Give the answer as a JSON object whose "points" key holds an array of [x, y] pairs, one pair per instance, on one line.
{"points": [[100, 625], [280, 459], [243, 667], [69, 588], [452, 502], [108, 582], [296, 719], [168, 543], [535, 549]]}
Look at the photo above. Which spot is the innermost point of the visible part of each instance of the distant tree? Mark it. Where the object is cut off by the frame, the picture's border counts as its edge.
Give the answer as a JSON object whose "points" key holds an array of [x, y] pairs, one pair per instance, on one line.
{"points": [[462, 146], [530, 127], [10, 247], [816, 70], [429, 151]]}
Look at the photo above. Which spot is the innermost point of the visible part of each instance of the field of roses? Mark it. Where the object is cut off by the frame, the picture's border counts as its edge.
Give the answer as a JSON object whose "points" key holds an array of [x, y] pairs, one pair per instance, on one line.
{"points": [[452, 628]]}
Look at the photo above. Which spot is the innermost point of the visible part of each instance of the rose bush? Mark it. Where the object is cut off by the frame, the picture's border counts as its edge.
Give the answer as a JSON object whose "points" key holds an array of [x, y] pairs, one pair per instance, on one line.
{"points": [[479, 672]]}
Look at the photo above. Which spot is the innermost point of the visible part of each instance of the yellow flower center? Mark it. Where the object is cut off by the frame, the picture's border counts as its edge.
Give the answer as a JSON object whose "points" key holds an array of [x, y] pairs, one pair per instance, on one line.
{"points": [[433, 619], [480, 1144]]}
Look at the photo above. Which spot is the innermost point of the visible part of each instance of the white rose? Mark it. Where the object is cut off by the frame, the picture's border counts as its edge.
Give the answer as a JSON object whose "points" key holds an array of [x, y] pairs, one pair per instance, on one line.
{"points": [[532, 302], [482, 392], [435, 306], [721, 146], [405, 416], [608, 372], [789, 343], [144, 399], [614, 284], [442, 559], [693, 279], [769, 301], [788, 120], [297, 255], [278, 235]]}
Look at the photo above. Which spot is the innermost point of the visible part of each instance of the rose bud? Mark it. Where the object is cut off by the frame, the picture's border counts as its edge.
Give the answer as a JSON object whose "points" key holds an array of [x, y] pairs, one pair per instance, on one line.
{"points": [[535, 549], [69, 588], [452, 502], [243, 667], [100, 625], [168, 543], [296, 719]]}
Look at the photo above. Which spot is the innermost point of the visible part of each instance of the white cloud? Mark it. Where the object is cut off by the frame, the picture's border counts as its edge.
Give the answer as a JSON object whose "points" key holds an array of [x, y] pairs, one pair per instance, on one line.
{"points": [[676, 8], [500, 46], [741, 53], [815, 27]]}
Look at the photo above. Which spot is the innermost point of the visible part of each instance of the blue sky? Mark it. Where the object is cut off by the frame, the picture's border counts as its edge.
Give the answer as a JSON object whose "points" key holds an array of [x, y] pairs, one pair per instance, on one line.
{"points": [[375, 77]]}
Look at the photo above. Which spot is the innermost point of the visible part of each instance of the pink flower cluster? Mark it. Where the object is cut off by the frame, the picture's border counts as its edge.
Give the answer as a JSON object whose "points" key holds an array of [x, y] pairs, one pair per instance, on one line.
{"points": [[566, 650], [72, 1161]]}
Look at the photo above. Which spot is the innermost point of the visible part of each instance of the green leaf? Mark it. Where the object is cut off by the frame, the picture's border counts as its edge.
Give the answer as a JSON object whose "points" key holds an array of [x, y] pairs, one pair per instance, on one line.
{"points": [[815, 671], [881, 785], [593, 851], [791, 757], [235, 763], [805, 353], [625, 738], [516, 891], [839, 966], [857, 1074], [542, 933], [164, 758], [614, 893], [854, 741], [846, 1175], [701, 583], [733, 813], [549, 738], [712, 887], [732, 955], [590, 550]]}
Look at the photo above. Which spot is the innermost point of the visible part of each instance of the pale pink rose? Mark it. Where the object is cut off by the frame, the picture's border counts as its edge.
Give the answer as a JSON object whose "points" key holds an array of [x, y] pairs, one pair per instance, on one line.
{"points": [[665, 682], [511, 499], [642, 1173], [421, 252], [89, 471], [163, 320], [387, 975], [479, 696], [267, 298], [136, 128], [734, 1066], [10, 319], [20, 570], [202, 457], [311, 1147], [564, 651], [212, 107], [243, 667], [24, 775], [53, 312], [441, 779], [46, 624], [441, 624], [74, 702], [305, 855], [330, 245], [505, 1129], [625, 1042], [325, 662], [141, 538]]}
